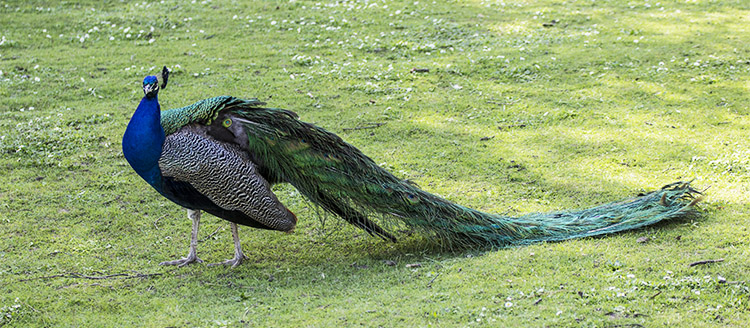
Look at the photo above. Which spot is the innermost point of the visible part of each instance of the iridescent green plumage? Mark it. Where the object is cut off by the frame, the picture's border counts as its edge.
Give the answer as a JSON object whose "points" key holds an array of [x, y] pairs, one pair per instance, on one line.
{"points": [[338, 177], [203, 112]]}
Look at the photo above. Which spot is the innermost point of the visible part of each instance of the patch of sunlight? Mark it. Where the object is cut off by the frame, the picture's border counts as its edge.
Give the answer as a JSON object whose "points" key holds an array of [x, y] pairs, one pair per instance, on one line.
{"points": [[516, 27], [685, 24], [735, 193], [658, 90], [588, 94], [436, 121], [592, 137], [651, 87], [675, 97], [634, 180], [440, 122]]}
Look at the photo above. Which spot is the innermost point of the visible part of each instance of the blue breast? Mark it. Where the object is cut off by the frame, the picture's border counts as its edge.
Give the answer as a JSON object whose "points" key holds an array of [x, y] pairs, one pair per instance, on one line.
{"points": [[143, 140]]}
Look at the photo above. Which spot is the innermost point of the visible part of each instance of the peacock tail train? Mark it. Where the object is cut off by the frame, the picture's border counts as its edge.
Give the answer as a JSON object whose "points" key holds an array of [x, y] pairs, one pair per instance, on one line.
{"points": [[342, 180]]}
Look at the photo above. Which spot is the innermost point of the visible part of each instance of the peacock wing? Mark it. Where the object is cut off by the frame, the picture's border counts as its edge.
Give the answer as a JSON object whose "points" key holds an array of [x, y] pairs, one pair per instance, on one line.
{"points": [[324, 168], [224, 174]]}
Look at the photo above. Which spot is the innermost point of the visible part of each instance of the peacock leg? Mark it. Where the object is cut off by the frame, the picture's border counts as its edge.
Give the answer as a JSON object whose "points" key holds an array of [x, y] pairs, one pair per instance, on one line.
{"points": [[238, 255], [195, 216]]}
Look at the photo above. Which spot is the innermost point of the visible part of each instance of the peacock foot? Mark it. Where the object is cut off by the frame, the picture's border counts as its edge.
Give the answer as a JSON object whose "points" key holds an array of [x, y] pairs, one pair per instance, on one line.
{"points": [[191, 258], [237, 260]]}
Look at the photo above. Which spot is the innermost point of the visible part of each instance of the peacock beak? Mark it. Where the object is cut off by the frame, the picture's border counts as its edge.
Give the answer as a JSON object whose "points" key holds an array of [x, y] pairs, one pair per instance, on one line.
{"points": [[150, 89]]}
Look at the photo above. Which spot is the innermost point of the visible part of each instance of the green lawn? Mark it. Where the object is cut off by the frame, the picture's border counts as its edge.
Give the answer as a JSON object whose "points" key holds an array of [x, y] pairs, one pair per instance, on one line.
{"points": [[504, 106]]}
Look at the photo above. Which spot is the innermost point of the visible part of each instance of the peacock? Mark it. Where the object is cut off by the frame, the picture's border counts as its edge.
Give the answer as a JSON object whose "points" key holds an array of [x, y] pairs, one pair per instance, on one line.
{"points": [[221, 155]]}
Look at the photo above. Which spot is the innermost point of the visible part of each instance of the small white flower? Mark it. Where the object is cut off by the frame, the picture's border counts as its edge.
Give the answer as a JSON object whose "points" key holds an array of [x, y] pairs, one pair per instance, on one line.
{"points": [[508, 304]]}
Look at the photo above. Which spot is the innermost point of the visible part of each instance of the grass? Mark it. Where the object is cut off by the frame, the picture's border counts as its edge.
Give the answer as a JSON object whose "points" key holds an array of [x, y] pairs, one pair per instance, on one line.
{"points": [[527, 106]]}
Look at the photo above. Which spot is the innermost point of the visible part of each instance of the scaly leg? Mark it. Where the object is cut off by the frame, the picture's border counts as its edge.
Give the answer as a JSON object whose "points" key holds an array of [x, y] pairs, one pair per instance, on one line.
{"points": [[193, 253], [238, 255]]}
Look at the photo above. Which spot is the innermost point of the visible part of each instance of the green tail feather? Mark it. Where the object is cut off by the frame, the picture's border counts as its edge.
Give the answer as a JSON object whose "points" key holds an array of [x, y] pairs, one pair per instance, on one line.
{"points": [[672, 201], [341, 179]]}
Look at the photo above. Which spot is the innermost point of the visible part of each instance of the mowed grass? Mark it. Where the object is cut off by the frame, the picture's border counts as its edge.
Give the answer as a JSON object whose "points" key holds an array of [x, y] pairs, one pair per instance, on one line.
{"points": [[509, 107]]}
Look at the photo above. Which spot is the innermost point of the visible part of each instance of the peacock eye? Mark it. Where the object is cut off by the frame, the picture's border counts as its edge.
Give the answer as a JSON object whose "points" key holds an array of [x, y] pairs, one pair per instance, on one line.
{"points": [[227, 123]]}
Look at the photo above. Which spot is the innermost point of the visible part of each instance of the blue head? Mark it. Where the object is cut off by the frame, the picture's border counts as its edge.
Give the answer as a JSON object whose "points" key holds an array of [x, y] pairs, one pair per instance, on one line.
{"points": [[151, 83], [151, 86]]}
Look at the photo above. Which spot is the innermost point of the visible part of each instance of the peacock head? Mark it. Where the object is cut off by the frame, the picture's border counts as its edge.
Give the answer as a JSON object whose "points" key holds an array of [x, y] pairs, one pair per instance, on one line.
{"points": [[150, 86], [151, 83]]}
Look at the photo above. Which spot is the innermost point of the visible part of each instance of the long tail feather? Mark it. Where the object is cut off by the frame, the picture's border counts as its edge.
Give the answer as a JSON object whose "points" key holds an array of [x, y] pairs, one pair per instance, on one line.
{"points": [[342, 180], [672, 201]]}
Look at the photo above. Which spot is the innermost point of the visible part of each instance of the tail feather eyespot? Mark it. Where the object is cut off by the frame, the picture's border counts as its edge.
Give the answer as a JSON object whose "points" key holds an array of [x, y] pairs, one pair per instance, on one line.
{"points": [[412, 198]]}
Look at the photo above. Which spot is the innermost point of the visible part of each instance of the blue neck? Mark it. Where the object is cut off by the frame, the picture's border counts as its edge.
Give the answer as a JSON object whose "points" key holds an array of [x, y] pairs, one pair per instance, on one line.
{"points": [[143, 139]]}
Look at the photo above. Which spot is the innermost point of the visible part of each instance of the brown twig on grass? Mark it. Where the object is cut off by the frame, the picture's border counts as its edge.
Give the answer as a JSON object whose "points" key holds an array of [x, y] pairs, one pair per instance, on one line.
{"points": [[369, 126], [83, 276], [211, 235], [705, 262], [157, 221], [433, 279]]}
